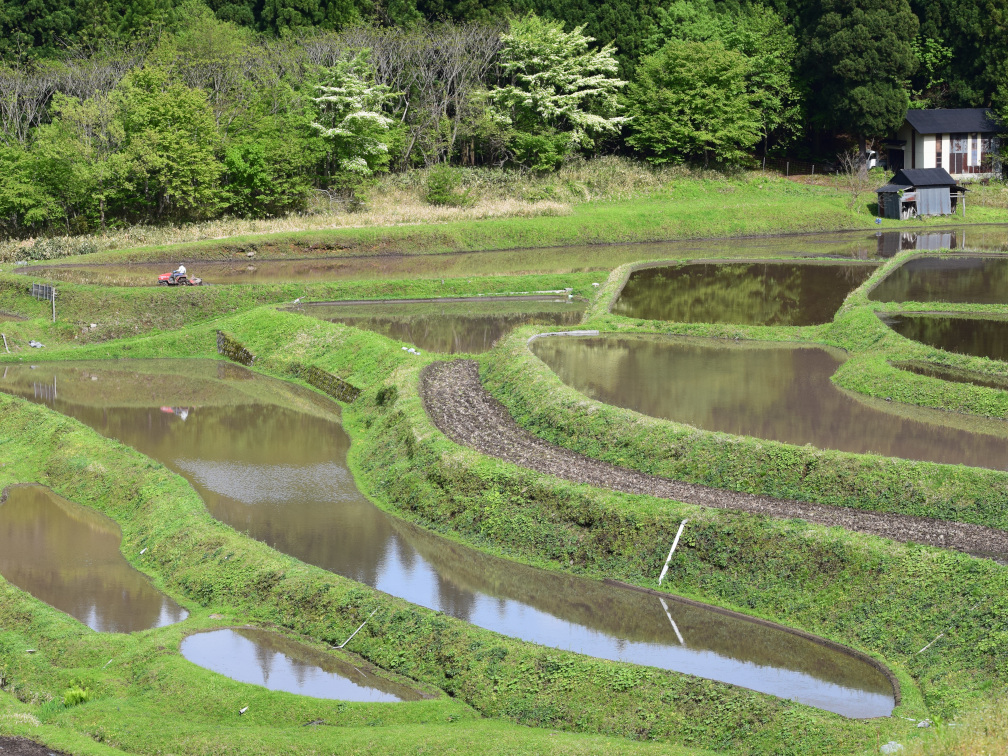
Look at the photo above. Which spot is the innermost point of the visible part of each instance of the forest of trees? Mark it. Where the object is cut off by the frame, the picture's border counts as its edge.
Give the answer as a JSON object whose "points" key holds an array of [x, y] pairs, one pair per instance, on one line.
{"points": [[122, 111]]}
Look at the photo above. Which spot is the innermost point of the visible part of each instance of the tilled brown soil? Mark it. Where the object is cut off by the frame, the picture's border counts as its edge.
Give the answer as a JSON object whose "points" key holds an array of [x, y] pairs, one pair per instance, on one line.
{"points": [[461, 408], [21, 747]]}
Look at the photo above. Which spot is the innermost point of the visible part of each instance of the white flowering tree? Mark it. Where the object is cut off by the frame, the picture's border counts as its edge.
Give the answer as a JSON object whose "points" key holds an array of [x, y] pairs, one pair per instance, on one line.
{"points": [[560, 94], [351, 119]]}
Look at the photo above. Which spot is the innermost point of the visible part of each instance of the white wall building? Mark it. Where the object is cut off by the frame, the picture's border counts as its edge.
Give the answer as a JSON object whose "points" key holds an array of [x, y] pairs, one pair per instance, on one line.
{"points": [[963, 141]]}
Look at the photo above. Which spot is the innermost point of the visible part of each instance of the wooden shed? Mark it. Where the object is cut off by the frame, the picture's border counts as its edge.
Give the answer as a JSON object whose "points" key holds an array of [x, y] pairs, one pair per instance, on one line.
{"points": [[921, 191]]}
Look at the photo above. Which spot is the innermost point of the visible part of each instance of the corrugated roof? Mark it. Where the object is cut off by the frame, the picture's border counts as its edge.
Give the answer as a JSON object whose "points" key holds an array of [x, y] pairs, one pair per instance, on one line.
{"points": [[907, 177], [952, 120], [923, 177]]}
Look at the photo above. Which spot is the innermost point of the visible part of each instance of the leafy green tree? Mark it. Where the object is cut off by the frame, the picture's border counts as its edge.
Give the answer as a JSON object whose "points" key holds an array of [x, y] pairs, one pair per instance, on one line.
{"points": [[769, 45], [281, 16], [352, 120], [975, 32], [269, 165], [35, 29], [559, 96], [81, 153], [25, 202], [689, 100], [933, 58], [627, 24], [170, 143], [858, 60]]}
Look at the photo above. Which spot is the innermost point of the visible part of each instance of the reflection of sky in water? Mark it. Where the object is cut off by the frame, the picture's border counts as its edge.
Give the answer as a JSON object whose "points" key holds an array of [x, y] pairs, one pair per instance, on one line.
{"points": [[228, 653], [419, 584], [245, 464], [269, 484]]}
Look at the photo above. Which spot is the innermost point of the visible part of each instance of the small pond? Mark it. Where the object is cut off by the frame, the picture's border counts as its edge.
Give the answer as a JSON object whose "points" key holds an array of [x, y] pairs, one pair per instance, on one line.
{"points": [[261, 657], [977, 336], [766, 293], [68, 556], [970, 280], [269, 459], [860, 245], [451, 326], [766, 391]]}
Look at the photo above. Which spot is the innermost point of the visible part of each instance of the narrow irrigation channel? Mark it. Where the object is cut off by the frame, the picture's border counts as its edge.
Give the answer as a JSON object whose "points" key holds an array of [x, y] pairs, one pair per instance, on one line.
{"points": [[269, 460]]}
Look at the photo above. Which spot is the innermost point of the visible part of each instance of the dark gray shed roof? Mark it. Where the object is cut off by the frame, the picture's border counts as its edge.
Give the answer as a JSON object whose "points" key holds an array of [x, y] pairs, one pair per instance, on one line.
{"points": [[918, 177], [952, 120]]}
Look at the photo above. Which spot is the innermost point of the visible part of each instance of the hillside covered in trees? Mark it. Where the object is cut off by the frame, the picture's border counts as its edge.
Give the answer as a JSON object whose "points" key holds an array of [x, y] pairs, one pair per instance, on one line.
{"points": [[153, 110]]}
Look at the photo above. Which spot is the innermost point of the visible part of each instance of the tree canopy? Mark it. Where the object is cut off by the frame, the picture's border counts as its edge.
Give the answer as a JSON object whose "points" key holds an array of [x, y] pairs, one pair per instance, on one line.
{"points": [[858, 61]]}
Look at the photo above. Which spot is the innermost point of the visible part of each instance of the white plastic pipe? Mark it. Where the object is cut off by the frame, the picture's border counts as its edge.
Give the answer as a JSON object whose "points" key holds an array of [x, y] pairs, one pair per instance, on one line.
{"points": [[671, 551]]}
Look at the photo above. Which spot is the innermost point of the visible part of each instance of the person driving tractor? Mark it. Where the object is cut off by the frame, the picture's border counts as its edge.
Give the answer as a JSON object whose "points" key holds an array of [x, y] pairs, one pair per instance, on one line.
{"points": [[176, 274]]}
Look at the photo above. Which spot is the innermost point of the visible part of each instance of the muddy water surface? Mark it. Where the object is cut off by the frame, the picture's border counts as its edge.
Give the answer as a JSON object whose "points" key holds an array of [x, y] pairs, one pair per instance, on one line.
{"points": [[268, 659], [971, 280], [451, 326], [789, 294], [766, 391], [270, 461], [68, 556], [860, 245], [977, 336]]}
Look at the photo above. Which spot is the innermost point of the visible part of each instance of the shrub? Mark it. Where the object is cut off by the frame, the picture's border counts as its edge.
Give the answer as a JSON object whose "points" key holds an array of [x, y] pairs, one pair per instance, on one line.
{"points": [[443, 187]]}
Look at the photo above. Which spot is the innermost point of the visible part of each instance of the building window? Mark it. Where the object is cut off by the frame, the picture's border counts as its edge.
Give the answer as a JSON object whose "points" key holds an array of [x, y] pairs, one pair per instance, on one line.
{"points": [[973, 151], [938, 151], [957, 153]]}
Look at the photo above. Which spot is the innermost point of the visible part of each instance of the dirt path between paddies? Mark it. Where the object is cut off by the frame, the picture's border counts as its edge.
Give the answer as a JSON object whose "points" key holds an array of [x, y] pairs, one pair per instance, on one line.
{"points": [[461, 408]]}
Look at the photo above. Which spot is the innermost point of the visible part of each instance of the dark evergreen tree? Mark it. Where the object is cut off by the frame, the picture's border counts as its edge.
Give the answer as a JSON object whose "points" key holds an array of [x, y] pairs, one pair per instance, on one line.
{"points": [[858, 61]]}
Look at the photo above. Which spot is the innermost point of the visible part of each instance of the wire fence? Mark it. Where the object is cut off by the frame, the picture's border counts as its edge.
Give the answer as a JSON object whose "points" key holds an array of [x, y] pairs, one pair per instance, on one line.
{"points": [[791, 167]]}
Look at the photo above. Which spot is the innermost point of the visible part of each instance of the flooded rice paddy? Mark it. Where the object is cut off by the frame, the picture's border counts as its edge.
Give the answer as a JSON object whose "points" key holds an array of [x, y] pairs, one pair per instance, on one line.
{"points": [[766, 391], [955, 375], [261, 657], [766, 293], [970, 280], [270, 460], [977, 336], [858, 245], [68, 556], [451, 326]]}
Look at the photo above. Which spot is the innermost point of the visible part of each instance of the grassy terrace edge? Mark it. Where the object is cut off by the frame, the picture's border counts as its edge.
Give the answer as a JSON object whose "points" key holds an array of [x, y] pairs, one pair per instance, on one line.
{"points": [[711, 206], [805, 576], [213, 569]]}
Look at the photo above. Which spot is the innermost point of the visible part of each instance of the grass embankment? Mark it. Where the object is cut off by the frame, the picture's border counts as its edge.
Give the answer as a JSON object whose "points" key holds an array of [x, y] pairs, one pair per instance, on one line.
{"points": [[889, 600], [215, 570], [611, 201], [886, 599], [540, 402], [872, 372], [123, 312]]}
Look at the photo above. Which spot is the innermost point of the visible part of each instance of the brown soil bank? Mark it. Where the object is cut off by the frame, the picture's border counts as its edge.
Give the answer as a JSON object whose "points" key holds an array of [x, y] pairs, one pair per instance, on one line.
{"points": [[461, 408]]}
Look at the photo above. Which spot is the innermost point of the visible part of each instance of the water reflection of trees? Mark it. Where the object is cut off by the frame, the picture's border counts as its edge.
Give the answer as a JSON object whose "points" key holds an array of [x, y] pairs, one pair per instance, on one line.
{"points": [[776, 393], [757, 293], [976, 336], [975, 280], [453, 333]]}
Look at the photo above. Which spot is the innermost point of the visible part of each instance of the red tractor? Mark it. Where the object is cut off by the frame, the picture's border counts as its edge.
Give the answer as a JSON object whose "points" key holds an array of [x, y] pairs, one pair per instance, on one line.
{"points": [[170, 279]]}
